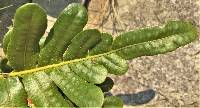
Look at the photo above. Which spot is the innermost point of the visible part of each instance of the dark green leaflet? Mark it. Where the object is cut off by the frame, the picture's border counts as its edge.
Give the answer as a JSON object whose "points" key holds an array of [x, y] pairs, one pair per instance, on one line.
{"points": [[106, 85], [29, 25], [43, 92], [79, 91], [82, 43], [103, 46], [12, 93], [90, 71], [73, 12], [114, 63], [72, 80], [112, 102], [6, 40], [69, 23], [156, 40], [23, 46]]}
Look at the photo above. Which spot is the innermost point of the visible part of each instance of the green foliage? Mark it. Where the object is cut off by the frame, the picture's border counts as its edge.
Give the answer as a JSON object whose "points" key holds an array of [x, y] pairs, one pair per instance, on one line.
{"points": [[103, 46], [30, 22], [79, 91], [69, 23], [114, 63], [81, 43], [155, 40], [90, 71], [6, 40], [43, 92], [113, 102], [12, 93], [72, 62]]}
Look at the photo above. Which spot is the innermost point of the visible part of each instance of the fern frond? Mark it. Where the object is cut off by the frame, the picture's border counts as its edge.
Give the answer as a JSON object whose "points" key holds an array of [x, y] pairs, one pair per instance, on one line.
{"points": [[73, 63]]}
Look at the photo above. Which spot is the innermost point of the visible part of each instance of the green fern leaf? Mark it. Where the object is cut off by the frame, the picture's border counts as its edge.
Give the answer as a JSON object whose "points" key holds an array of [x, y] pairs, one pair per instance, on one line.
{"points": [[155, 40], [69, 23], [103, 46], [81, 44], [76, 60], [23, 47], [112, 102], [90, 71], [25, 50], [43, 92], [6, 40], [79, 91], [12, 93]]}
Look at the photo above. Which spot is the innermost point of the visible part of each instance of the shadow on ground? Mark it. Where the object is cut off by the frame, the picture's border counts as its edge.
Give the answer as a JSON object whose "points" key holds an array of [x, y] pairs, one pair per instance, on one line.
{"points": [[139, 98]]}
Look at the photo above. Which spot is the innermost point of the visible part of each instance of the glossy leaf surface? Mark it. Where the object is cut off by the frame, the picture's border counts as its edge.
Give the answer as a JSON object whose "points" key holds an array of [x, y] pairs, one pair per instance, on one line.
{"points": [[12, 93], [112, 102], [6, 40], [79, 91], [43, 92], [23, 48], [69, 23], [72, 61], [155, 40], [82, 43]]}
